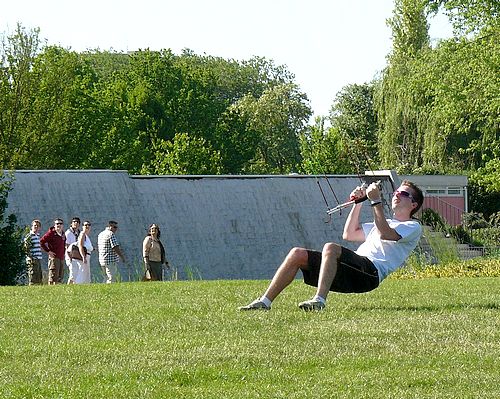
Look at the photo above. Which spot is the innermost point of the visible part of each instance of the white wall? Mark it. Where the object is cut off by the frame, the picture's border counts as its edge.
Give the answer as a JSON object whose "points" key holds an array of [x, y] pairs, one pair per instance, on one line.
{"points": [[220, 227]]}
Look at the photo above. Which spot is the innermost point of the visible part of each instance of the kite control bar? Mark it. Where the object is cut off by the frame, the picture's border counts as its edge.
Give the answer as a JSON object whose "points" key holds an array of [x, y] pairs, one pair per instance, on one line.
{"points": [[339, 207], [346, 204]]}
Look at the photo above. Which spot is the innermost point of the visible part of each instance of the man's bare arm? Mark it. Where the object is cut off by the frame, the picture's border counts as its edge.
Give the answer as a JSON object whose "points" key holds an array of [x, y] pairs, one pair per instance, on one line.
{"points": [[352, 228], [119, 253], [386, 232]]}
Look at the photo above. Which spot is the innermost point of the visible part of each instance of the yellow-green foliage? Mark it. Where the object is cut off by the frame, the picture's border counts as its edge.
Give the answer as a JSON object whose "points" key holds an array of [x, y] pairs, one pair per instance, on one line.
{"points": [[478, 267]]}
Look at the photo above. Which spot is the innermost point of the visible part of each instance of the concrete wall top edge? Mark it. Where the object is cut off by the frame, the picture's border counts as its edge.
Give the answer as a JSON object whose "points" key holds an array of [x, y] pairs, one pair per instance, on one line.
{"points": [[68, 171], [195, 177], [191, 177], [242, 177]]}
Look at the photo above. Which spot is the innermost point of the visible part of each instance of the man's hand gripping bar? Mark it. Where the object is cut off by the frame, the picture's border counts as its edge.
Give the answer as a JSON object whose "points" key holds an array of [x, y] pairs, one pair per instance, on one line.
{"points": [[339, 207]]}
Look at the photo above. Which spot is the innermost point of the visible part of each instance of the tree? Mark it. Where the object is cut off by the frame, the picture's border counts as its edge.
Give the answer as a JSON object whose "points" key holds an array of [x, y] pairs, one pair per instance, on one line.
{"points": [[237, 82], [354, 116], [61, 109], [462, 123], [64, 117], [184, 155], [129, 111], [469, 16], [410, 30], [323, 150], [278, 117], [11, 244], [438, 107], [398, 105], [484, 188], [158, 94], [17, 56], [236, 142]]}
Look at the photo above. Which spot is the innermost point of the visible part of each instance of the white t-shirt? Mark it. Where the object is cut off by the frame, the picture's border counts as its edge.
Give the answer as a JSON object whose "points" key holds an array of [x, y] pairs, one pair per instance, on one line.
{"points": [[71, 238], [386, 255]]}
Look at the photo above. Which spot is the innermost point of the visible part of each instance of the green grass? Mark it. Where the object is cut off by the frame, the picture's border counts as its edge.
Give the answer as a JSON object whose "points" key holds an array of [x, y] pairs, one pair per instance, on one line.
{"points": [[428, 338]]}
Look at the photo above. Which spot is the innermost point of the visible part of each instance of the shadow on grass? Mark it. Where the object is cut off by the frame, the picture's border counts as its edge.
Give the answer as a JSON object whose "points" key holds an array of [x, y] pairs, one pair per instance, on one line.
{"points": [[430, 308]]}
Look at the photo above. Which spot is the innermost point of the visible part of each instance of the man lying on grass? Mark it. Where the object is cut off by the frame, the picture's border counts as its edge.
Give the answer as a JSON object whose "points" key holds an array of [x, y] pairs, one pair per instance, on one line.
{"points": [[386, 243]]}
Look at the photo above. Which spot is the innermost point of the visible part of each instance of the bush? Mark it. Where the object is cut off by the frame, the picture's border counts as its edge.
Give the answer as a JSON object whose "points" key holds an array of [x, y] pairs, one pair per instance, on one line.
{"points": [[486, 237], [433, 219], [495, 219], [477, 267], [459, 234], [482, 197], [11, 244], [474, 220]]}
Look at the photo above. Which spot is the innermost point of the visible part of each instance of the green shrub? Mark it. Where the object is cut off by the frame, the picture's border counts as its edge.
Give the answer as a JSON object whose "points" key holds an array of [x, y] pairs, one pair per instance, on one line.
{"points": [[474, 220], [12, 253], [494, 219], [477, 267], [487, 237], [459, 233], [483, 190], [431, 218], [443, 249]]}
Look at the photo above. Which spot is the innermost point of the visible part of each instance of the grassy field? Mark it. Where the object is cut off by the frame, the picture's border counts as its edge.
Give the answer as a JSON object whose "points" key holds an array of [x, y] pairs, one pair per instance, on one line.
{"points": [[429, 338]]}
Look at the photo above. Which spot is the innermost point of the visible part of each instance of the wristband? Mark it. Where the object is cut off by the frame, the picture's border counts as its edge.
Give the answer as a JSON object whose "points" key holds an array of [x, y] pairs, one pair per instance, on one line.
{"points": [[375, 203]]}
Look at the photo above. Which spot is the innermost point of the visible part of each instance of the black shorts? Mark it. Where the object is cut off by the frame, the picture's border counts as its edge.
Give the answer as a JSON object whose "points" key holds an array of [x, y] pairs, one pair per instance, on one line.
{"points": [[354, 273]]}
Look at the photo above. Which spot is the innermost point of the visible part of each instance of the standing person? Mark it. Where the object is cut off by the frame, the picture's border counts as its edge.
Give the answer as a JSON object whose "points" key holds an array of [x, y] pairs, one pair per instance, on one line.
{"points": [[153, 253], [71, 239], [54, 243], [34, 253], [386, 243], [109, 251], [85, 247]]}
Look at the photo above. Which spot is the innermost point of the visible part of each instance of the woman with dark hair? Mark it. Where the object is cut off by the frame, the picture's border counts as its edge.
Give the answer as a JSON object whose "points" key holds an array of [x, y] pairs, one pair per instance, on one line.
{"points": [[85, 248], [153, 253]]}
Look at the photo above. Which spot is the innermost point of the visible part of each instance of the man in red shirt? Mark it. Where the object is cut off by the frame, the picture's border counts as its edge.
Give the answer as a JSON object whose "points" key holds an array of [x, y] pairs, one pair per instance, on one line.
{"points": [[54, 243]]}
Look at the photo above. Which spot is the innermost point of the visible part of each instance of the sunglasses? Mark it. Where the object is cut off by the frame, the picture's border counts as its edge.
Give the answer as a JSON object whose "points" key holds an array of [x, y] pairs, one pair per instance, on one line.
{"points": [[404, 194], [87, 224], [56, 223]]}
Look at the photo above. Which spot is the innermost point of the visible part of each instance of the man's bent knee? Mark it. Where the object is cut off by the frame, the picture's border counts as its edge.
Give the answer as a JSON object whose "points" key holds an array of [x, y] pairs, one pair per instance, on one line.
{"points": [[332, 249], [298, 255]]}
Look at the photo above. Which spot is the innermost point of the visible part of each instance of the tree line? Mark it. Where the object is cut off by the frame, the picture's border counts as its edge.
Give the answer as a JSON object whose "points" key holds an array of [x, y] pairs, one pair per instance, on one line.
{"points": [[146, 111], [434, 109]]}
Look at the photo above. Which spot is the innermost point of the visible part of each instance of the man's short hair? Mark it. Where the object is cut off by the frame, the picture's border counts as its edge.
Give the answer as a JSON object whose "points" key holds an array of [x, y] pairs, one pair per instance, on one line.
{"points": [[418, 195], [76, 219], [37, 222], [112, 223]]}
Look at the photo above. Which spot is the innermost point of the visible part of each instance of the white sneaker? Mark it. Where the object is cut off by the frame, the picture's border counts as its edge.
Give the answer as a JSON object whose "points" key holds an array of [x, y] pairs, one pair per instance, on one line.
{"points": [[312, 304], [255, 305]]}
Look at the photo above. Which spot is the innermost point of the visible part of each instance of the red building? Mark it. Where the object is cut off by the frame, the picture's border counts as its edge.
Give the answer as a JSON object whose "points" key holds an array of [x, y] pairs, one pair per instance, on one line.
{"points": [[446, 194]]}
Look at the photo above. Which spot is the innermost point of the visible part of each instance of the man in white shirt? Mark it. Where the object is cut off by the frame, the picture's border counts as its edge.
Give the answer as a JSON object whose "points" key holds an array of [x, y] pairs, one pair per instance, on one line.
{"points": [[109, 252], [386, 244]]}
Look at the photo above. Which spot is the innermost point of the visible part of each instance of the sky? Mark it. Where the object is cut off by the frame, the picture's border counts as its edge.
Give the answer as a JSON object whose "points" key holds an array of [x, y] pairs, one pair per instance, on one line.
{"points": [[326, 44]]}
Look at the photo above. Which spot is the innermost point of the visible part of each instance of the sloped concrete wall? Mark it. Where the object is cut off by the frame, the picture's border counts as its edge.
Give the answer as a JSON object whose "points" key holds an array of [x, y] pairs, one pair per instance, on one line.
{"points": [[214, 227]]}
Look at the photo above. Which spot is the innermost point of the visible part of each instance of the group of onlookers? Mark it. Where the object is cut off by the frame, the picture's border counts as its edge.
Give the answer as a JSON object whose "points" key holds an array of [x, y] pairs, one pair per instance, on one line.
{"points": [[73, 248]]}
